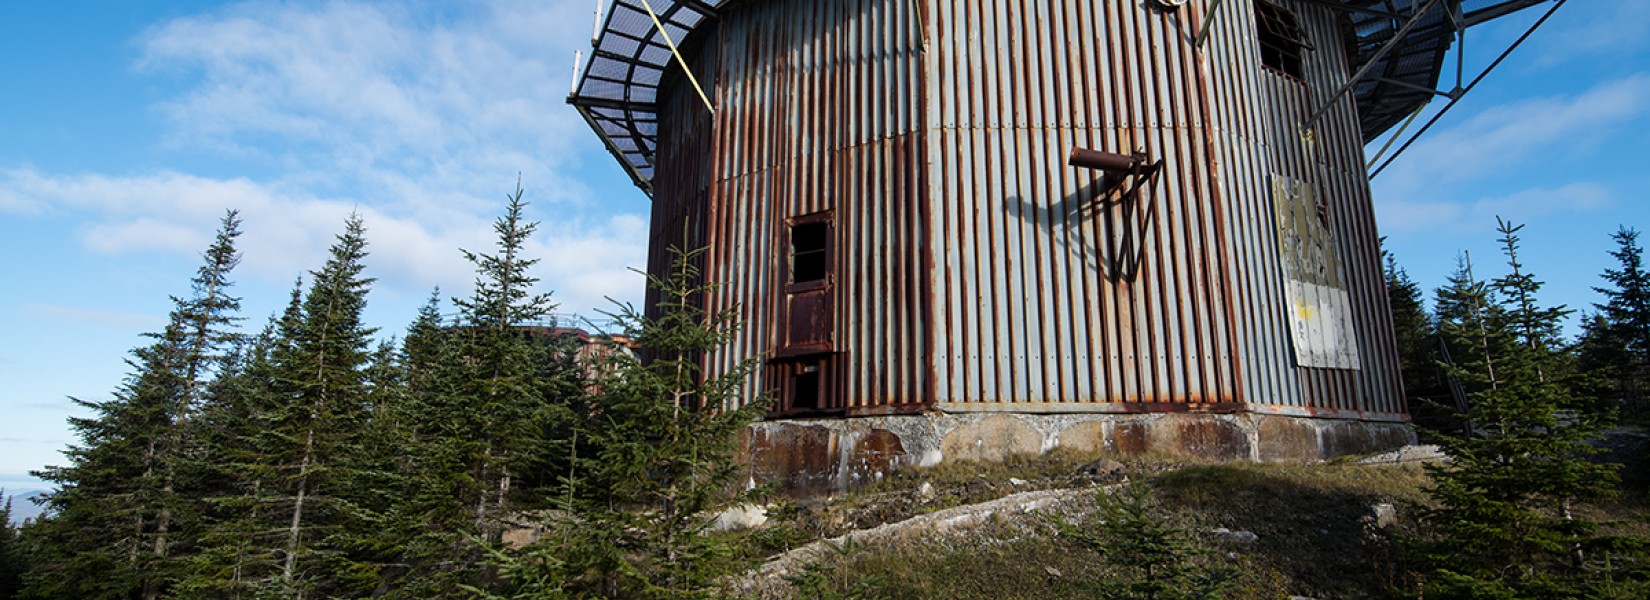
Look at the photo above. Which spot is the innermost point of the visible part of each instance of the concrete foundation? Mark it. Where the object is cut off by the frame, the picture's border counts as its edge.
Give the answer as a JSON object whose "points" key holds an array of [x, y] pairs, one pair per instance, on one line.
{"points": [[825, 456]]}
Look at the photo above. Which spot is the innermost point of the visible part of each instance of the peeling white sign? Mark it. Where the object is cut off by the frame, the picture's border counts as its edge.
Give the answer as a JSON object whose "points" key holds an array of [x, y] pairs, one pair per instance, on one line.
{"points": [[1320, 309]]}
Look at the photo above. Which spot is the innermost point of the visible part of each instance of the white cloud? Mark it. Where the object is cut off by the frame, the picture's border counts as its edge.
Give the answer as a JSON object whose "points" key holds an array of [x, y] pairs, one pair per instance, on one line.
{"points": [[371, 95], [1532, 204], [1608, 27], [287, 233], [414, 117], [1419, 214], [1519, 139], [1410, 215]]}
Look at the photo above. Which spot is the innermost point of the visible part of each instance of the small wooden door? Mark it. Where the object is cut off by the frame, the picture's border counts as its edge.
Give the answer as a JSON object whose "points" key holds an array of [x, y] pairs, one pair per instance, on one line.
{"points": [[805, 356]]}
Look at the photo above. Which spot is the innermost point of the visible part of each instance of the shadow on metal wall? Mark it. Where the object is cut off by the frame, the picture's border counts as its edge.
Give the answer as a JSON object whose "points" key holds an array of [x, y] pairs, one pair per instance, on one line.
{"points": [[1121, 220]]}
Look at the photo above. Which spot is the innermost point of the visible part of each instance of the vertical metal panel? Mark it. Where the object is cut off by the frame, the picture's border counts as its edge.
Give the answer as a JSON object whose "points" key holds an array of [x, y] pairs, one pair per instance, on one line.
{"points": [[975, 269], [1258, 123], [1034, 300], [816, 112]]}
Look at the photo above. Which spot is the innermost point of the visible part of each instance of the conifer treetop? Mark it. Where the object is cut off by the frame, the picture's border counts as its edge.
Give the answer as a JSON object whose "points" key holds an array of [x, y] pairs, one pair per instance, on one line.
{"points": [[503, 295]]}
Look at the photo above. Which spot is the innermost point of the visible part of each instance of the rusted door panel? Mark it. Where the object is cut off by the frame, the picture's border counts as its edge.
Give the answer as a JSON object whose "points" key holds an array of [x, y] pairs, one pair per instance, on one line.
{"points": [[809, 322]]}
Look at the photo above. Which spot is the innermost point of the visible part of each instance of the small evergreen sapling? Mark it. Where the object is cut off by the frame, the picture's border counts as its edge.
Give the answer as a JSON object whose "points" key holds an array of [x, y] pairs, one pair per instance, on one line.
{"points": [[1154, 556]]}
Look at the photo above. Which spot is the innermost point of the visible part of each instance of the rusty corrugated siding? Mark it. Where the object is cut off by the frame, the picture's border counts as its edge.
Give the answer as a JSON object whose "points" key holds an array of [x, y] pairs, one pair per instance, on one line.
{"points": [[1044, 304], [968, 274], [817, 110], [1257, 124]]}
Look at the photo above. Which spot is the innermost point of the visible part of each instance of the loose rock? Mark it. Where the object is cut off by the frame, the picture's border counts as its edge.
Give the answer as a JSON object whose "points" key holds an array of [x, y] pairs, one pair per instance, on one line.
{"points": [[1383, 515], [1104, 468], [1235, 537], [744, 516]]}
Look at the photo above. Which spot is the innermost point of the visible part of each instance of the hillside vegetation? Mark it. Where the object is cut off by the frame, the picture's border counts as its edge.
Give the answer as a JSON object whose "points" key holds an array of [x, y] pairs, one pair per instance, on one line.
{"points": [[476, 457], [1332, 530]]}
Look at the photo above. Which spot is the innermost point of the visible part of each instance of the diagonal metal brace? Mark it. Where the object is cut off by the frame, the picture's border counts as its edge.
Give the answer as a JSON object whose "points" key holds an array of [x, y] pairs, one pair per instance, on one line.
{"points": [[1356, 77], [678, 54]]}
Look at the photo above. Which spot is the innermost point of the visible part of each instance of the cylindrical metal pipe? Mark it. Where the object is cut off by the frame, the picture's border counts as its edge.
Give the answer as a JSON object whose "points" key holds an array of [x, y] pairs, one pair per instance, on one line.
{"points": [[1105, 161]]}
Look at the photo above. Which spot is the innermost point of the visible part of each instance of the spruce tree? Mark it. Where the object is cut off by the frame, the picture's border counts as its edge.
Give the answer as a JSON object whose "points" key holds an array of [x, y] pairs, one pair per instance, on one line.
{"points": [[1601, 353], [119, 514], [287, 424], [1504, 523], [1462, 311], [483, 398], [376, 464], [1413, 330], [207, 318], [501, 390], [655, 464], [11, 550], [1624, 342], [318, 427], [237, 558], [103, 510], [430, 523]]}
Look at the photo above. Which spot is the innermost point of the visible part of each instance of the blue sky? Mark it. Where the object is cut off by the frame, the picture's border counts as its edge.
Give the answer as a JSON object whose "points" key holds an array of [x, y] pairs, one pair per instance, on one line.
{"points": [[127, 127]]}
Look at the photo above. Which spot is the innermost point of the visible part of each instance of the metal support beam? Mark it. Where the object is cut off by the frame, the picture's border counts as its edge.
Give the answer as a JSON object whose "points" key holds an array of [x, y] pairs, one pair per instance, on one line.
{"points": [[1557, 4], [1203, 30], [1419, 88], [1395, 136], [1356, 77], [1342, 6]]}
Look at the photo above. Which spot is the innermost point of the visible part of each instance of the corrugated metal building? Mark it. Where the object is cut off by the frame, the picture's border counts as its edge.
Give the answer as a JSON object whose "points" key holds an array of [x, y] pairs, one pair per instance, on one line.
{"points": [[883, 187]]}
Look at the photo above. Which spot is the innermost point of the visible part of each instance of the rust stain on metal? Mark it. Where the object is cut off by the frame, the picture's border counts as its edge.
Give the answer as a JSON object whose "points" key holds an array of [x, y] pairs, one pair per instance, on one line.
{"points": [[965, 267]]}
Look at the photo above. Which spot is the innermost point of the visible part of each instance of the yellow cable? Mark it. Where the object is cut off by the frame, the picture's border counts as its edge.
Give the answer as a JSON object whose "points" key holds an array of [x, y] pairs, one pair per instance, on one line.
{"points": [[1396, 135], [678, 54]]}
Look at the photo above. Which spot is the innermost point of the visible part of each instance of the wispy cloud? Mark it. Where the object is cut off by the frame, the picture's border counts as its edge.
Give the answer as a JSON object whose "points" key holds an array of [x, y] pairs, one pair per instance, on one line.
{"points": [[1517, 137], [1422, 213], [1598, 28], [286, 232], [422, 109], [92, 316], [418, 122]]}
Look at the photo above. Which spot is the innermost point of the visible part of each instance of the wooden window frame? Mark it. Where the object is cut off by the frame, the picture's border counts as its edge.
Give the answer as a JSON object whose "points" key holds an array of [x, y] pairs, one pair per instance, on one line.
{"points": [[820, 218]]}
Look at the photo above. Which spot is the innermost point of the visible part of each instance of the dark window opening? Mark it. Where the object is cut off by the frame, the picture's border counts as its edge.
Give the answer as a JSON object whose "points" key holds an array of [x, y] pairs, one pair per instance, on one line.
{"points": [[805, 388], [1282, 41], [809, 251]]}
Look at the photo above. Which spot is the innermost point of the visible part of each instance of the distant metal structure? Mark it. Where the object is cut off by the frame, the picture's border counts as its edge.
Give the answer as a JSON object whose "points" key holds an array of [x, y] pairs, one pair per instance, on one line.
{"points": [[1118, 207]]}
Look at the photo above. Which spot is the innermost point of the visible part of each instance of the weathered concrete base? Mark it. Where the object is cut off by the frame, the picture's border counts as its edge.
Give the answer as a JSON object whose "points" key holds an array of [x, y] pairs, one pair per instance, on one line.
{"points": [[823, 456]]}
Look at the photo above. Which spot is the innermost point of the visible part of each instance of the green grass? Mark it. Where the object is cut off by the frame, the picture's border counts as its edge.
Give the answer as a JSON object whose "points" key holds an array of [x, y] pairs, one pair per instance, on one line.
{"points": [[1290, 507], [1314, 537]]}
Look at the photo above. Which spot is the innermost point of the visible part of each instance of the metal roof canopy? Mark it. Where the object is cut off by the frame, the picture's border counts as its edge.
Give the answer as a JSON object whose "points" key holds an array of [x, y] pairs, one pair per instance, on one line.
{"points": [[617, 92]]}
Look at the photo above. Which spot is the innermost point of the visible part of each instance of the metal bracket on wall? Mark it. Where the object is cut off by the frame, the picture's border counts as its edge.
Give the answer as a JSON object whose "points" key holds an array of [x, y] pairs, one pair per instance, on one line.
{"points": [[1137, 171], [1117, 168]]}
